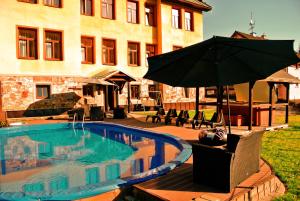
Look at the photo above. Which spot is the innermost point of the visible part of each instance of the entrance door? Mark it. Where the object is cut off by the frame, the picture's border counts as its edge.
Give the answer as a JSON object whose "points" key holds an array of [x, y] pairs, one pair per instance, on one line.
{"points": [[110, 97]]}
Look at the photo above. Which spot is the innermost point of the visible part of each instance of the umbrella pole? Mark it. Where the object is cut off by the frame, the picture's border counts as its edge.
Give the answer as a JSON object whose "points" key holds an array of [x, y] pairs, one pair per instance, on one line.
{"points": [[228, 107], [197, 100]]}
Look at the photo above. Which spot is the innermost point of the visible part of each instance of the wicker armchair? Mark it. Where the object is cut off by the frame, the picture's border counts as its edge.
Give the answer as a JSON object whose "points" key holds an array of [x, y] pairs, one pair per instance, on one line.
{"points": [[225, 167]]}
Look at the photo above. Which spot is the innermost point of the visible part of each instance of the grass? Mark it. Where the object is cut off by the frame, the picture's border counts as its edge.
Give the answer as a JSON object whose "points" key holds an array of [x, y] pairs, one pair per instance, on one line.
{"points": [[282, 150]]}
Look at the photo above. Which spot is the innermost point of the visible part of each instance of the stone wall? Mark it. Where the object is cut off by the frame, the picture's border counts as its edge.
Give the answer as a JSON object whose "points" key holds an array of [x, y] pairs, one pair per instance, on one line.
{"points": [[19, 93], [177, 94]]}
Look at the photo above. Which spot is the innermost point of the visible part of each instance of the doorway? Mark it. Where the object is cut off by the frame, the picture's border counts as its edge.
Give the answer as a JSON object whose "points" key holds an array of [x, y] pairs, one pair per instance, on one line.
{"points": [[110, 104]]}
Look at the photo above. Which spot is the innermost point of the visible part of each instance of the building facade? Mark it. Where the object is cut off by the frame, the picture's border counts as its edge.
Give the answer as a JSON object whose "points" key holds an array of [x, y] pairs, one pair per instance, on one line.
{"points": [[48, 46], [294, 88]]}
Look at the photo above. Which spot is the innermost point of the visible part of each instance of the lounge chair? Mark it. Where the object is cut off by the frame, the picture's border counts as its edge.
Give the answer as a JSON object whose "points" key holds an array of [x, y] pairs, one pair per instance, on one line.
{"points": [[197, 119], [216, 120], [183, 118], [172, 113], [226, 167], [160, 112]]}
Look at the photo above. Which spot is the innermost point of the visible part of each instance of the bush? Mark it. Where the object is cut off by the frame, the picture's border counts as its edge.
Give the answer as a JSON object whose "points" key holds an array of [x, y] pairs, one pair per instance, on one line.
{"points": [[3, 124]]}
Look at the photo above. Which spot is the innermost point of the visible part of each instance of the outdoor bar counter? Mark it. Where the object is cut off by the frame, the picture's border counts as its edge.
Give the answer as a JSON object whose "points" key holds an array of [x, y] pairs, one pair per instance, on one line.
{"points": [[239, 113]]}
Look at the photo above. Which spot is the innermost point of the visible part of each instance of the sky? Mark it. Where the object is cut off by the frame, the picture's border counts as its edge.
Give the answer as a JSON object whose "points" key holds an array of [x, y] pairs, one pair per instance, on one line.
{"points": [[278, 19]]}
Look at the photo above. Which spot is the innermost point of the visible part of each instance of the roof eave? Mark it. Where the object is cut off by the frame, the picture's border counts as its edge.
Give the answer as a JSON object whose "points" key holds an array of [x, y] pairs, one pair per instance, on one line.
{"points": [[201, 6]]}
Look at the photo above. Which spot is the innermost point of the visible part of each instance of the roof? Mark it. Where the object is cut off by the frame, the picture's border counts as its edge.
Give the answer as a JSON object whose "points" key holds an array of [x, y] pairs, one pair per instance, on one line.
{"points": [[282, 77], [196, 4], [90, 80], [113, 76], [238, 34]]}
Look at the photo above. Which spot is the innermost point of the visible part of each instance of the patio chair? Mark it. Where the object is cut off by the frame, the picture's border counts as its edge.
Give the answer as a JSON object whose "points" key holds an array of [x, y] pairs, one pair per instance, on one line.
{"points": [[198, 119], [226, 167], [160, 112], [183, 118], [216, 120], [97, 114], [79, 114], [172, 113]]}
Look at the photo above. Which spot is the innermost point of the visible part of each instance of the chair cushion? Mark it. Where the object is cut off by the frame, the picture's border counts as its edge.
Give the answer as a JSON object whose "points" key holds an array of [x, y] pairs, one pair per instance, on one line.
{"points": [[213, 137]]}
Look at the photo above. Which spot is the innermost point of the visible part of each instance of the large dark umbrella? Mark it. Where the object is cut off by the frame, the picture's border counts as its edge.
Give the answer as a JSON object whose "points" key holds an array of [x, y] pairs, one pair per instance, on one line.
{"points": [[221, 61]]}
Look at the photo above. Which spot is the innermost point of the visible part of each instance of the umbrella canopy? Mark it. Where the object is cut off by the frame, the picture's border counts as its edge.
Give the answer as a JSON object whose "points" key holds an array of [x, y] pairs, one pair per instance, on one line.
{"points": [[221, 61]]}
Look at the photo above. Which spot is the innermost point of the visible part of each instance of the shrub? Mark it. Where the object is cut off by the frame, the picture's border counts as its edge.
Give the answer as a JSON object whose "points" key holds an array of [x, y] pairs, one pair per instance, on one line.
{"points": [[3, 124]]}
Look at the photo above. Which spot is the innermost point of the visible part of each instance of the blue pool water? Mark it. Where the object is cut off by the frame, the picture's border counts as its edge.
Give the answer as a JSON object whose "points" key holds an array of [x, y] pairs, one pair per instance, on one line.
{"points": [[67, 162]]}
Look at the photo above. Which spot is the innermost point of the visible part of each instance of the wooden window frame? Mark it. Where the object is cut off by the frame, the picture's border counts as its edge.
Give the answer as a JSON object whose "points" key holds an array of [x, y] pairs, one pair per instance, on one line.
{"points": [[179, 17], [192, 20], [62, 45], [152, 94], [114, 11], [139, 91], [27, 1], [155, 51], [138, 53], [94, 49], [42, 85], [36, 46], [137, 11], [53, 6], [154, 14], [93, 9], [115, 51], [176, 47]]}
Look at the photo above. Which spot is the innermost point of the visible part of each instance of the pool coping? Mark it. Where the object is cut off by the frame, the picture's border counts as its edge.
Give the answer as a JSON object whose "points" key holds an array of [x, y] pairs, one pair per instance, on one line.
{"points": [[92, 190]]}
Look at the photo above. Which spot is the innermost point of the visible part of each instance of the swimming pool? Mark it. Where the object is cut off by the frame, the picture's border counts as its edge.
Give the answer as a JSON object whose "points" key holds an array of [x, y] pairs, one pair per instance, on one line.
{"points": [[67, 162]]}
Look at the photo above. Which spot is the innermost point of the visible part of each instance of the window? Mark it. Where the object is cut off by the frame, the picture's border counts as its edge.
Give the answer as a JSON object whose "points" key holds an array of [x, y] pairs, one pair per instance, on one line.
{"points": [[86, 7], [42, 91], [87, 50], [108, 9], [109, 52], [133, 54], [135, 91], [132, 12], [87, 90], [53, 3], [152, 91], [28, 1], [53, 45], [58, 184], [150, 15], [188, 21], [27, 43], [176, 18], [150, 51], [175, 47]]}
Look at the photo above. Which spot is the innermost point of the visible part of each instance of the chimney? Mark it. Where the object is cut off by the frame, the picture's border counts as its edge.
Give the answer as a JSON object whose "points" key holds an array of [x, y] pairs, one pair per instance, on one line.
{"points": [[264, 35]]}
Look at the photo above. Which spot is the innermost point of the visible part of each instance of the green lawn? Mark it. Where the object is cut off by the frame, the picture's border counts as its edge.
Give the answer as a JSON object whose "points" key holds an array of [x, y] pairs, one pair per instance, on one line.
{"points": [[282, 150]]}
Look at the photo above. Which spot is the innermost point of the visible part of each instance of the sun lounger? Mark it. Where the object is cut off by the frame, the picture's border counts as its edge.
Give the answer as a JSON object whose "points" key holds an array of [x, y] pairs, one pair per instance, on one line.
{"points": [[183, 118], [216, 120], [197, 119], [160, 112], [172, 113]]}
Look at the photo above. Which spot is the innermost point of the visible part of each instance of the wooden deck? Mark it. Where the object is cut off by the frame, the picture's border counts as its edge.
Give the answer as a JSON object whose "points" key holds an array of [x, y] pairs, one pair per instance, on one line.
{"points": [[178, 185]]}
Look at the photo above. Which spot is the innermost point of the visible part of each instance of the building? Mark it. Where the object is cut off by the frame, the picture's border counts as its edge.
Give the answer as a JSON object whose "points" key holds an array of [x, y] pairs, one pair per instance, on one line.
{"points": [[295, 88], [55, 52]]}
